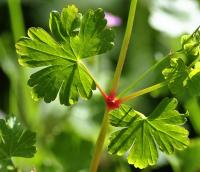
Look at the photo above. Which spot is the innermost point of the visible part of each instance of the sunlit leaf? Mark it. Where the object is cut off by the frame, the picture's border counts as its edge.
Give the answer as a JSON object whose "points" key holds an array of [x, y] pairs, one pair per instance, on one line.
{"points": [[73, 37], [142, 136]]}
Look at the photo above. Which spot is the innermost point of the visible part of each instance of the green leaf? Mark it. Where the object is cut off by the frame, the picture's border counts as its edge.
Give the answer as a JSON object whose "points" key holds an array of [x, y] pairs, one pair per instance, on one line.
{"points": [[183, 81], [191, 43], [183, 72], [73, 37], [142, 136], [15, 141]]}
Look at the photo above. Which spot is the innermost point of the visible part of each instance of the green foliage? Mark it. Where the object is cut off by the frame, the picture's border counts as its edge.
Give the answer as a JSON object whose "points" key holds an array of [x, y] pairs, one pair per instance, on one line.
{"points": [[144, 135], [73, 38], [183, 77], [188, 160], [59, 56], [182, 80], [78, 147], [191, 43], [15, 140]]}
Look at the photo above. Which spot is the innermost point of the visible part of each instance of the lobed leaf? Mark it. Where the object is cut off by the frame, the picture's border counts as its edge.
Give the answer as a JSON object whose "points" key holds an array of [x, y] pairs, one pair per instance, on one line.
{"points": [[142, 136], [73, 37], [15, 141]]}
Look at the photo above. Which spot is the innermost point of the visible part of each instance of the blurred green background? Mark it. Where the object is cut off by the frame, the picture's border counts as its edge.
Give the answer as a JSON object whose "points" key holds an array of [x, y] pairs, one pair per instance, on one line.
{"points": [[66, 135]]}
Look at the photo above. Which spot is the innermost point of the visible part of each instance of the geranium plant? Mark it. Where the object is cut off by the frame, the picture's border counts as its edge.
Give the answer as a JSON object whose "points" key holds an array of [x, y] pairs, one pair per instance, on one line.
{"points": [[61, 56]]}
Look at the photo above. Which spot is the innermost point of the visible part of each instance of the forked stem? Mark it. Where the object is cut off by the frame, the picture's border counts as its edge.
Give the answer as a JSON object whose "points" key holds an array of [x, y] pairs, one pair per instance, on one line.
{"points": [[122, 56], [124, 47], [100, 143]]}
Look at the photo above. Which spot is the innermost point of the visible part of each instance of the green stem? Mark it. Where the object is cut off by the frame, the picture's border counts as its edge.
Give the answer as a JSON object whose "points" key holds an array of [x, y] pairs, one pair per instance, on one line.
{"points": [[122, 56], [124, 47], [100, 143], [23, 102], [96, 83], [143, 91], [16, 17], [142, 77]]}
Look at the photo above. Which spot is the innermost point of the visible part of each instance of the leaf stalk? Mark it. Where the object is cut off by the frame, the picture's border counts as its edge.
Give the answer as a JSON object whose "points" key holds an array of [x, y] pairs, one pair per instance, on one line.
{"points": [[143, 91], [95, 81]]}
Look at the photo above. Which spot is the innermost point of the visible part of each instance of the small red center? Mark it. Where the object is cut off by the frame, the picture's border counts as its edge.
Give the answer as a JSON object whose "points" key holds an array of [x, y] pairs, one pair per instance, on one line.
{"points": [[112, 102]]}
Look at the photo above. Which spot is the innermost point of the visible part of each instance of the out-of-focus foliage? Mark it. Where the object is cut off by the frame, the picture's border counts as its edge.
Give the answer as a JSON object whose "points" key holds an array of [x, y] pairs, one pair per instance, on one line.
{"points": [[15, 141], [81, 148], [187, 160]]}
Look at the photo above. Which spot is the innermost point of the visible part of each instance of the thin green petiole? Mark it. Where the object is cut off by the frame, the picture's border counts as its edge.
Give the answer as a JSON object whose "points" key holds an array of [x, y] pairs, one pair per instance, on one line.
{"points": [[148, 71], [96, 83], [144, 75], [124, 47], [143, 91]]}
